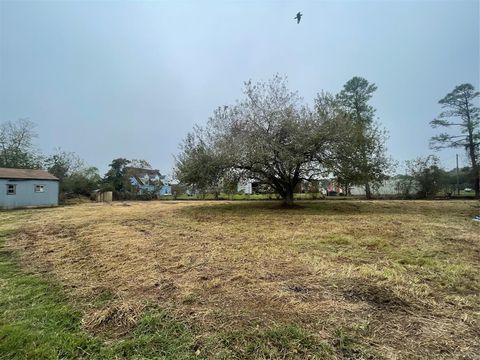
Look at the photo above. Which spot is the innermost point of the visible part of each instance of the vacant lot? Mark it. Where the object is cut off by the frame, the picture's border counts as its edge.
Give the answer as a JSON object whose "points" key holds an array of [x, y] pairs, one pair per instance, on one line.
{"points": [[330, 279]]}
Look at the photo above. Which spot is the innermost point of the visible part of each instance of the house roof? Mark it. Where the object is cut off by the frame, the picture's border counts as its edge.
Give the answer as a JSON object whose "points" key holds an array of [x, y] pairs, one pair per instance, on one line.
{"points": [[135, 171], [26, 174], [138, 179]]}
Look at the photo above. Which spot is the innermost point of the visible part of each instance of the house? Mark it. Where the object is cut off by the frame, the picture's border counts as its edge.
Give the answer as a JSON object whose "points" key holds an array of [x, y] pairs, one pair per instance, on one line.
{"points": [[147, 181], [27, 188]]}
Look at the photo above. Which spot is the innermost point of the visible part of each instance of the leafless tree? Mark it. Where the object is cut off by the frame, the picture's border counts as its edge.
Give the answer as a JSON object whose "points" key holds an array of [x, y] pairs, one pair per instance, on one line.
{"points": [[17, 148]]}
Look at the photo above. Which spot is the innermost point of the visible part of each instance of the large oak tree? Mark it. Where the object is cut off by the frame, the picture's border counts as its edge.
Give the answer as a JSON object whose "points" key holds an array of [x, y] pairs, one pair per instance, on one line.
{"points": [[269, 136]]}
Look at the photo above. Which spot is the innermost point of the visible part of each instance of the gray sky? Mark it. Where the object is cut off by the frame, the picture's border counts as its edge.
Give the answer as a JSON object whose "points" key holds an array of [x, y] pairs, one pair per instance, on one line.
{"points": [[109, 79]]}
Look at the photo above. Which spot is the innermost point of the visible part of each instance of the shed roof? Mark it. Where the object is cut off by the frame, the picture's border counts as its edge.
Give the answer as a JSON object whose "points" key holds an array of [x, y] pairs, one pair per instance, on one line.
{"points": [[26, 174]]}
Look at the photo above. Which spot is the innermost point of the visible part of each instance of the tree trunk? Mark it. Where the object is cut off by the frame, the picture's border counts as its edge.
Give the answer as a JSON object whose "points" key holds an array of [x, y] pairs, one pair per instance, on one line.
{"points": [[368, 192], [288, 198], [476, 179], [475, 168], [473, 156]]}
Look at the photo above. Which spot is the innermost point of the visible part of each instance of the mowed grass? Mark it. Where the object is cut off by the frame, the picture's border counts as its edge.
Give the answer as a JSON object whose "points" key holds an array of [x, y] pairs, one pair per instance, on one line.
{"points": [[37, 322], [329, 279]]}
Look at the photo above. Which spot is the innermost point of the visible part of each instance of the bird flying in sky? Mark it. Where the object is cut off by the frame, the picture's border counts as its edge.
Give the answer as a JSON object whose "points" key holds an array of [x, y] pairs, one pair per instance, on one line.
{"points": [[298, 17]]}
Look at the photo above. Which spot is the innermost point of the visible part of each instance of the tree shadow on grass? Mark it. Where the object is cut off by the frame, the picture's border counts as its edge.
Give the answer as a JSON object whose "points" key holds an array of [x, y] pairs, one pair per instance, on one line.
{"points": [[313, 207]]}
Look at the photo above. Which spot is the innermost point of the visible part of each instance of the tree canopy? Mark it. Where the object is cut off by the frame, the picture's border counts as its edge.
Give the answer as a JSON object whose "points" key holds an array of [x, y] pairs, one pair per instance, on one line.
{"points": [[17, 149], [361, 157], [63, 163], [115, 179], [272, 137], [427, 173], [199, 166], [75, 177], [354, 100], [269, 136], [358, 156]]}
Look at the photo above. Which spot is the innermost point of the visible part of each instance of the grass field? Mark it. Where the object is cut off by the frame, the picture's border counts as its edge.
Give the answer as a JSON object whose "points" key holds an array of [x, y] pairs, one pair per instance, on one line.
{"points": [[222, 280]]}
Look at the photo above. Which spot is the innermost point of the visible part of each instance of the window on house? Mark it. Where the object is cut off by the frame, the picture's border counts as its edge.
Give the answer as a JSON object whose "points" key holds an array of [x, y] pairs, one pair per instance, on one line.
{"points": [[11, 189], [39, 188]]}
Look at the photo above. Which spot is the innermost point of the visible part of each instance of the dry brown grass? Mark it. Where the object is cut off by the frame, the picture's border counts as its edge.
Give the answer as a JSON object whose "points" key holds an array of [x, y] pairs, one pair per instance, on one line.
{"points": [[403, 277]]}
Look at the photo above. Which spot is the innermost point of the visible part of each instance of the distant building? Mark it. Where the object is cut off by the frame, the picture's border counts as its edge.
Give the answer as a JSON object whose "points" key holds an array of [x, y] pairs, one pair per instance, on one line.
{"points": [[21, 188], [249, 187], [245, 187], [334, 188], [392, 186], [148, 181]]}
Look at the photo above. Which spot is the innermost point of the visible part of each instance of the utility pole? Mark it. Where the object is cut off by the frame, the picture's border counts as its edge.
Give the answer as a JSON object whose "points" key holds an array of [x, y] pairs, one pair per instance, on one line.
{"points": [[458, 184]]}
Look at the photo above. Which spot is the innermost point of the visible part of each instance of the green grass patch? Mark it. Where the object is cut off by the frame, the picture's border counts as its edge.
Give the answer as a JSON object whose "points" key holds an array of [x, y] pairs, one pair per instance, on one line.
{"points": [[284, 342], [157, 336], [348, 348], [37, 322], [281, 342]]}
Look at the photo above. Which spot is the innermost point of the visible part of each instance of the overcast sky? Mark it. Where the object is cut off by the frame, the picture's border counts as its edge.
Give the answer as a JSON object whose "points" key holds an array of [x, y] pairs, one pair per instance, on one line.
{"points": [[109, 79]]}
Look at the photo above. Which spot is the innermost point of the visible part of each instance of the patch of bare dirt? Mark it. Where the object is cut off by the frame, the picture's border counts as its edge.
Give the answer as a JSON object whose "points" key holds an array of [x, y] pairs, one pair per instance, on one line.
{"points": [[378, 296]]}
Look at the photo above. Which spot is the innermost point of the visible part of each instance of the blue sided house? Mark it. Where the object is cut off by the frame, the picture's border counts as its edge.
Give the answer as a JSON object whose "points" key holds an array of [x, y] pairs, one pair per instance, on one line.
{"points": [[148, 181], [23, 188]]}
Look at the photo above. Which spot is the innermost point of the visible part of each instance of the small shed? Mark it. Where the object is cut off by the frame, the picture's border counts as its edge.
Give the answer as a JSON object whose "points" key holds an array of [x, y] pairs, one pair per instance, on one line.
{"points": [[21, 188], [103, 196]]}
